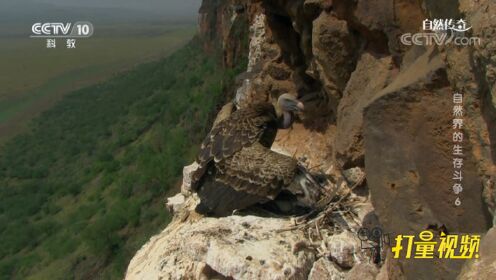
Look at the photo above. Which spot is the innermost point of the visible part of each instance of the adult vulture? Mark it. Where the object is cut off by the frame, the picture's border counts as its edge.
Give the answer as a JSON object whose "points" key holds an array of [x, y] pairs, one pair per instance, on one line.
{"points": [[237, 169]]}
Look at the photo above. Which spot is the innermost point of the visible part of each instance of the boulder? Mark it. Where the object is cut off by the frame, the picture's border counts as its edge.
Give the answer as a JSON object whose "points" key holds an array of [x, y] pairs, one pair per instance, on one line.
{"points": [[362, 271], [325, 269], [334, 58], [372, 74], [483, 268], [241, 247], [407, 128]]}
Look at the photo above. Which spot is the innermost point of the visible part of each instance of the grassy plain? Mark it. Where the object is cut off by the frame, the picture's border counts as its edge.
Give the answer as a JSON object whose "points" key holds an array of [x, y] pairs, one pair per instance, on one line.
{"points": [[33, 78], [84, 188]]}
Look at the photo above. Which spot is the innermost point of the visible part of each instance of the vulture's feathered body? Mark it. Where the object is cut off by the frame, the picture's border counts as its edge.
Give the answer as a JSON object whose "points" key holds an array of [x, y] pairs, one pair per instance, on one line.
{"points": [[236, 166]]}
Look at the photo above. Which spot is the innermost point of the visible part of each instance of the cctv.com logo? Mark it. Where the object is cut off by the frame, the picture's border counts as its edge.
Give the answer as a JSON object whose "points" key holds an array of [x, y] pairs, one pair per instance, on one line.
{"points": [[441, 32]]}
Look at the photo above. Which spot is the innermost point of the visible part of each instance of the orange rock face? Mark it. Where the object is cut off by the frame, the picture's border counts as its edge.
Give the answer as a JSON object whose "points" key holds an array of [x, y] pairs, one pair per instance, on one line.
{"points": [[375, 103]]}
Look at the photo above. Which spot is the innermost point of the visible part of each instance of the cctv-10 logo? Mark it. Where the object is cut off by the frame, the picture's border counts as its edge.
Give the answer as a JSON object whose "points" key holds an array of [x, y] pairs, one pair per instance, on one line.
{"points": [[81, 29]]}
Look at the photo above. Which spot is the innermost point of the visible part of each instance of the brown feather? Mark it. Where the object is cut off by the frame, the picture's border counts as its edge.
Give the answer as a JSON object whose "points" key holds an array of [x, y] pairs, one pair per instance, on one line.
{"points": [[257, 170], [237, 169], [241, 129]]}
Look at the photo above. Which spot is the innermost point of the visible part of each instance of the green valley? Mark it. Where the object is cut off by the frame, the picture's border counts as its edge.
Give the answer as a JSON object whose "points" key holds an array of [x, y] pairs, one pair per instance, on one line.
{"points": [[34, 78], [84, 187]]}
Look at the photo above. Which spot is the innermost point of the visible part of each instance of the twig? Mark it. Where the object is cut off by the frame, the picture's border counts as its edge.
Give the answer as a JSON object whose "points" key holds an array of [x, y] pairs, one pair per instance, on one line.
{"points": [[313, 167], [329, 209], [318, 230]]}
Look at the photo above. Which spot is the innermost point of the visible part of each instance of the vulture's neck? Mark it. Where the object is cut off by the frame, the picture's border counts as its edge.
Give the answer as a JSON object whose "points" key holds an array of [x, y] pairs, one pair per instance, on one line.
{"points": [[285, 119]]}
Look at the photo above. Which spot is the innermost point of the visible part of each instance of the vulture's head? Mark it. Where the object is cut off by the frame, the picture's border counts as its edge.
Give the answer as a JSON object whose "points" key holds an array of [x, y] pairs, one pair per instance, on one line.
{"points": [[286, 108]]}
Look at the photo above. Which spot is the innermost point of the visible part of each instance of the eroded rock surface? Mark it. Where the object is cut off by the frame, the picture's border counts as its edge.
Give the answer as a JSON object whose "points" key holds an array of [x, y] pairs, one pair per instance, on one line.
{"points": [[373, 106], [241, 247], [485, 266]]}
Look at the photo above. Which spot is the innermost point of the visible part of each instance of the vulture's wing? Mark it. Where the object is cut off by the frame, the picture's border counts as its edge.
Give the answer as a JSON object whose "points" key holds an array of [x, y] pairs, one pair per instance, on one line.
{"points": [[241, 129], [253, 175], [257, 170]]}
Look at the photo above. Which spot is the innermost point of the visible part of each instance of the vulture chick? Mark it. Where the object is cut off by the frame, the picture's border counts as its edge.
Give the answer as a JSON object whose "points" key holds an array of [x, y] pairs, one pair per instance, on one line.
{"points": [[237, 169]]}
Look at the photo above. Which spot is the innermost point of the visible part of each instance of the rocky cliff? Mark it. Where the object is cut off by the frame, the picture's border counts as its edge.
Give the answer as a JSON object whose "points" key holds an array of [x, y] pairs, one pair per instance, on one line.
{"points": [[378, 123]]}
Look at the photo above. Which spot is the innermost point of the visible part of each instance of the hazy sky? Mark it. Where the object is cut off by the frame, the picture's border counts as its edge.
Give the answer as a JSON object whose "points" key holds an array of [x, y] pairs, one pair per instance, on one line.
{"points": [[170, 6], [173, 9]]}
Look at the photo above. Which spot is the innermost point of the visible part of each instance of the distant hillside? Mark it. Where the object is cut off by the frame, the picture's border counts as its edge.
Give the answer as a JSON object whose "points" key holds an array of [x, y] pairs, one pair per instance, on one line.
{"points": [[28, 11], [85, 188], [34, 78]]}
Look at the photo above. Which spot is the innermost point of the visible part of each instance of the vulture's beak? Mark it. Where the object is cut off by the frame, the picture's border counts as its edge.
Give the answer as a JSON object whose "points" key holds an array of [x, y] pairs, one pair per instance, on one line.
{"points": [[300, 106], [296, 106], [288, 103]]}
